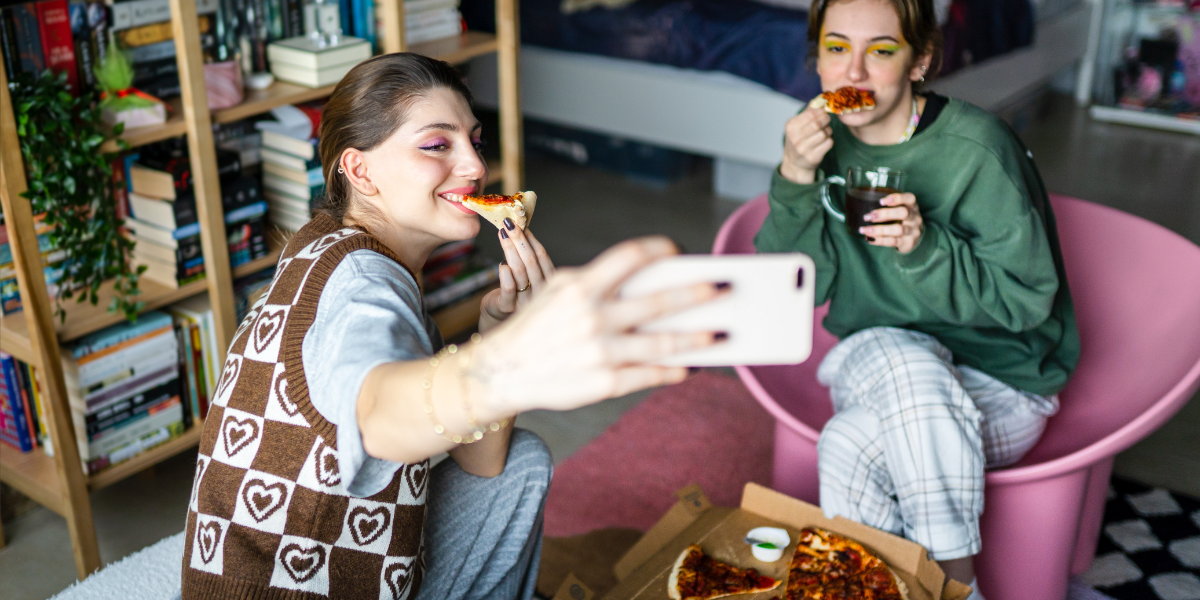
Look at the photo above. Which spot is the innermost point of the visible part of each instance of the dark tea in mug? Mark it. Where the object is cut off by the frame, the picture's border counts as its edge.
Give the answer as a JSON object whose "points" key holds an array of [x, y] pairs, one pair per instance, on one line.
{"points": [[863, 200]]}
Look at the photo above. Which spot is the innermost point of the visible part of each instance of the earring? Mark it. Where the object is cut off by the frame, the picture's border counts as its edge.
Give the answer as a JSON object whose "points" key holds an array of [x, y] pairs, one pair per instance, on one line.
{"points": [[341, 171]]}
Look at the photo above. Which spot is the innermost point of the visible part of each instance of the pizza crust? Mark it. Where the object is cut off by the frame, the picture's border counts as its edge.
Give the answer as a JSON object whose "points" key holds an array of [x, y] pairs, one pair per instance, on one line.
{"points": [[899, 584], [520, 210], [673, 582]]}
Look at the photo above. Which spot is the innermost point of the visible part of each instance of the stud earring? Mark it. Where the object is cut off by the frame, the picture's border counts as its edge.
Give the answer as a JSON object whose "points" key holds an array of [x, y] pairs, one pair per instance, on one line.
{"points": [[341, 171]]}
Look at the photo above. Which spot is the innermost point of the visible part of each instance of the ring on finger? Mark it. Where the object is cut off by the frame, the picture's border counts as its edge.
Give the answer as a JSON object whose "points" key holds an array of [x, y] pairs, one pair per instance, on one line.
{"points": [[527, 284]]}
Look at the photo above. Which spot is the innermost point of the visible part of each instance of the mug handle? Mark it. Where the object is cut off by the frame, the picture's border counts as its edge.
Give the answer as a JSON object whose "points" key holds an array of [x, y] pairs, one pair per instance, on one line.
{"points": [[825, 199]]}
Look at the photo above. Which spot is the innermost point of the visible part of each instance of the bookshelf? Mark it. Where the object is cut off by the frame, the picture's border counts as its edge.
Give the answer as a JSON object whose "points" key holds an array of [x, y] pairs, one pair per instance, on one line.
{"points": [[34, 335]]}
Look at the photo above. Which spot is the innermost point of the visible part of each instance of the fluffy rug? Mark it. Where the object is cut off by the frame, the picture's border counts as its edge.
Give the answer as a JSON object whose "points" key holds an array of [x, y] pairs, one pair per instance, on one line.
{"points": [[707, 430]]}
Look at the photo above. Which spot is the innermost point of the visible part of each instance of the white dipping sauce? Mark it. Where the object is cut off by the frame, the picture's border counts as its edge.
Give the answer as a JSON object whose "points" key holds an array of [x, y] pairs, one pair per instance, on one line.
{"points": [[773, 535]]}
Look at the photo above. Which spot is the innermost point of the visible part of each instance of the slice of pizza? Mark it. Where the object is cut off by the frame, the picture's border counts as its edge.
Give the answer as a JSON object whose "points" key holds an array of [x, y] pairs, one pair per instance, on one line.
{"points": [[844, 101], [829, 566], [697, 576], [495, 207]]}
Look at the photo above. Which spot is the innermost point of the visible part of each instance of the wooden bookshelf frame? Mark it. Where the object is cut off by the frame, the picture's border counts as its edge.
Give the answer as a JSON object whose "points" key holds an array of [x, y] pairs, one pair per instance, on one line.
{"points": [[34, 335]]}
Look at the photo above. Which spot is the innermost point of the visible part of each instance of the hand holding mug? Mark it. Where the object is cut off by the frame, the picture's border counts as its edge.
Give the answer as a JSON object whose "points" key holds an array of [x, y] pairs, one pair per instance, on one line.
{"points": [[902, 226]]}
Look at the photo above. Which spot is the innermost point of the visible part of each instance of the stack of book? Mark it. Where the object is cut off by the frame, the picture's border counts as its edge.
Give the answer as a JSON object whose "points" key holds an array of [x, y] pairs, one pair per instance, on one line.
{"points": [[123, 388], [292, 179], [454, 271], [426, 20], [53, 266], [74, 38], [311, 62], [196, 334], [163, 219], [22, 418]]}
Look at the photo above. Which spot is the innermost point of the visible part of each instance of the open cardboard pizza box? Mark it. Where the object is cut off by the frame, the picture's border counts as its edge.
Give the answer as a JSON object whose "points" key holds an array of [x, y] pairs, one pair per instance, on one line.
{"points": [[644, 570]]}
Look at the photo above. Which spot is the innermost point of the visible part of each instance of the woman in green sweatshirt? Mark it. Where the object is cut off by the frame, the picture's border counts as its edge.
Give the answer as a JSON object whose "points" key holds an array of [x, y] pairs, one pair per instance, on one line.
{"points": [[952, 306]]}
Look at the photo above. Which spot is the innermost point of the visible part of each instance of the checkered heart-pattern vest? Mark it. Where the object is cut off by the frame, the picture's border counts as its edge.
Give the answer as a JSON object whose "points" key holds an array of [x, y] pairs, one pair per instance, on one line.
{"points": [[269, 515]]}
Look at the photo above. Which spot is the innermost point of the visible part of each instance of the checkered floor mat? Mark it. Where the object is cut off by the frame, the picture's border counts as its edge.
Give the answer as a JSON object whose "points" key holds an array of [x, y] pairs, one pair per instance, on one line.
{"points": [[1150, 545]]}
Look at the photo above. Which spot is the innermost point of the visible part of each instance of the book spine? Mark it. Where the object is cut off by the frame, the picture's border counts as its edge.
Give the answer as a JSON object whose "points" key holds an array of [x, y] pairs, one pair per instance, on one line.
{"points": [[54, 20], [294, 17], [29, 40], [151, 52], [136, 358], [137, 407], [39, 402], [97, 17], [144, 35], [164, 415], [14, 397], [8, 425], [8, 45], [145, 12], [155, 436], [31, 413], [198, 368], [187, 370], [163, 88], [80, 35], [346, 16]]}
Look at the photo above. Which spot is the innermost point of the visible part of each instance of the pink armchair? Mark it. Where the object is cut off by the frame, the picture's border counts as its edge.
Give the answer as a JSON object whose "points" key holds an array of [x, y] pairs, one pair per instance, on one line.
{"points": [[1136, 288]]}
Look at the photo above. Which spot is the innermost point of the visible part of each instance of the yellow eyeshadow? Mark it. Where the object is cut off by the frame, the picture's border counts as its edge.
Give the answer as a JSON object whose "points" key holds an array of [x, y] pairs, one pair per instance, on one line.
{"points": [[884, 47], [829, 44]]}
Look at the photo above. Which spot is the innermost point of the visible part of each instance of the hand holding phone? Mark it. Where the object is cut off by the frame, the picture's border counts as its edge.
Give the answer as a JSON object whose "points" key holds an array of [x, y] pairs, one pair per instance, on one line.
{"points": [[768, 313]]}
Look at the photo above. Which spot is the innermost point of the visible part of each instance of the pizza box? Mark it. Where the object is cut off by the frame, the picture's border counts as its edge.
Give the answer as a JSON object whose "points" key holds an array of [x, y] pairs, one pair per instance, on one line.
{"points": [[644, 570]]}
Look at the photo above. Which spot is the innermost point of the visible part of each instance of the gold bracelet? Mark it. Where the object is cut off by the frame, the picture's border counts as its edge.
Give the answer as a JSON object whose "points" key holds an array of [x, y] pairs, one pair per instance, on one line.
{"points": [[476, 433]]}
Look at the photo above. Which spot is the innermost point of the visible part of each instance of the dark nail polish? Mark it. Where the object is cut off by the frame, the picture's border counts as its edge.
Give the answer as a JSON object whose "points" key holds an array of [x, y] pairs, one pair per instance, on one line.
{"points": [[722, 285], [509, 224], [693, 370], [721, 336], [870, 239], [503, 233], [503, 262]]}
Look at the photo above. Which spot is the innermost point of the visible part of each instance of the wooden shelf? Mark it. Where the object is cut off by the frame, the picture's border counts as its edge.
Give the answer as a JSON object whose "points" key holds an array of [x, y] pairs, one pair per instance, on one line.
{"points": [[140, 136], [33, 474], [258, 102], [454, 50], [460, 317], [459, 49]]}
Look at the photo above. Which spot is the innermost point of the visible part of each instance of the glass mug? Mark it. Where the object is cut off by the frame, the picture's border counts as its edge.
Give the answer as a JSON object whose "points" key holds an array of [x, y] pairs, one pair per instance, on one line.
{"points": [[865, 188]]}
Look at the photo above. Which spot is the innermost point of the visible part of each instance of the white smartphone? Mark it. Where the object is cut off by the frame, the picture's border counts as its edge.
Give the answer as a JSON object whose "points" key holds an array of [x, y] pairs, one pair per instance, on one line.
{"points": [[768, 314]]}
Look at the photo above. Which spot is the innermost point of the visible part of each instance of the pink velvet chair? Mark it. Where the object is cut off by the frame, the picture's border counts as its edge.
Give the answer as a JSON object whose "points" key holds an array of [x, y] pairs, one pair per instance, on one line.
{"points": [[1136, 288]]}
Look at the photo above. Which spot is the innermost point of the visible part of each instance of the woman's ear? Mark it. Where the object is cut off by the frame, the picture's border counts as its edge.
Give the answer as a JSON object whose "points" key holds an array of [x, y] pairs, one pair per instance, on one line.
{"points": [[353, 166], [920, 68]]}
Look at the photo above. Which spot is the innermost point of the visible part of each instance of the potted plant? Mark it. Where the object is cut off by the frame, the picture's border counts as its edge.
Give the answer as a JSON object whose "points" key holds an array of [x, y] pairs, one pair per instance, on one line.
{"points": [[70, 182]]}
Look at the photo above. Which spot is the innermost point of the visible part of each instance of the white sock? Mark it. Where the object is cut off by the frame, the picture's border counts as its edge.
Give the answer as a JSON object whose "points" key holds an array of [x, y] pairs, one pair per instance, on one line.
{"points": [[975, 595]]}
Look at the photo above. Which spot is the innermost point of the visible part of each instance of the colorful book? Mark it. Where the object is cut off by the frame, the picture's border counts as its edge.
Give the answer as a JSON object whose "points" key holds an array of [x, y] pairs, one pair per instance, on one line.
{"points": [[29, 37], [144, 12], [58, 45], [25, 442]]}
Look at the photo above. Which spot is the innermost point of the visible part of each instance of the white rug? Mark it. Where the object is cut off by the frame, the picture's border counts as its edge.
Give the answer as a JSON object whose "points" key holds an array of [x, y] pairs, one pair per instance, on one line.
{"points": [[152, 573]]}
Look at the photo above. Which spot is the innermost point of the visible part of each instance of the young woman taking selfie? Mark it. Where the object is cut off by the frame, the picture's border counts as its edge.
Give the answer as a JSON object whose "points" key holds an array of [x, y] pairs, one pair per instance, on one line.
{"points": [[955, 321], [313, 475]]}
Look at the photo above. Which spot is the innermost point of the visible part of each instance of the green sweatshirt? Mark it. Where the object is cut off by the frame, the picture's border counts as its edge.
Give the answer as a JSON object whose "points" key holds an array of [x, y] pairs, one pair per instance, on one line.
{"points": [[986, 278]]}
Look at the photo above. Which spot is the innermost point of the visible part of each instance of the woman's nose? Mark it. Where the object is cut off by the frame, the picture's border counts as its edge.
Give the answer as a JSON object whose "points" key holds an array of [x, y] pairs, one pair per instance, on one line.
{"points": [[471, 166], [858, 68]]}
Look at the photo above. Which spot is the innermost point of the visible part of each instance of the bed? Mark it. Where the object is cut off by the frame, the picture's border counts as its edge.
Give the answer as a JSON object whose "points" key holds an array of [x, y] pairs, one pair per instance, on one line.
{"points": [[720, 77]]}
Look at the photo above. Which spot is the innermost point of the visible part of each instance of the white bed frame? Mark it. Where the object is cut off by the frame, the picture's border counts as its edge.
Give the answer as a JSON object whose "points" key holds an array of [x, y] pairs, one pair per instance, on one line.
{"points": [[739, 123]]}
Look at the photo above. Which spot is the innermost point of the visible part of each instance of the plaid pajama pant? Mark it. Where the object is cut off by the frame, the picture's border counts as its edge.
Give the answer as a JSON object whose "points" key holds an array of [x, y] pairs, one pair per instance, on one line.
{"points": [[912, 434]]}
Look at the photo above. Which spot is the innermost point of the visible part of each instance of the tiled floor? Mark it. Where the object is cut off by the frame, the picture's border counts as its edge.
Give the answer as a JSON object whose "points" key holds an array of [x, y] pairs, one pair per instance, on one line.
{"points": [[1150, 174]]}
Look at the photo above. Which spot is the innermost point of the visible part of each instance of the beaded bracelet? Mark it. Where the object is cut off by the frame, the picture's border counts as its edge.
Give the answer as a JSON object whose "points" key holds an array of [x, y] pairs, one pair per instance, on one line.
{"points": [[476, 432]]}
